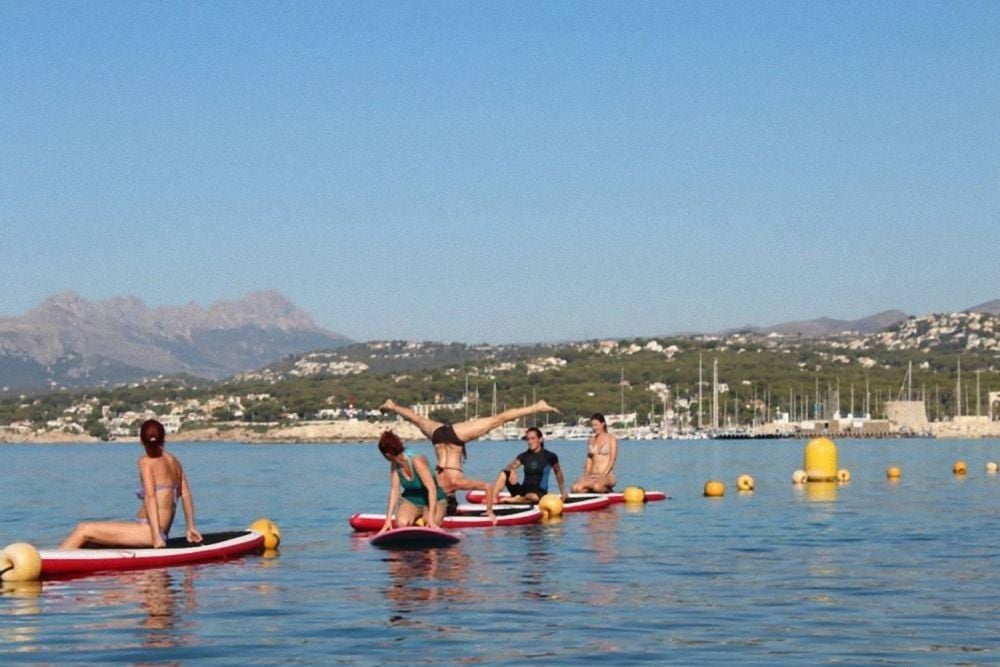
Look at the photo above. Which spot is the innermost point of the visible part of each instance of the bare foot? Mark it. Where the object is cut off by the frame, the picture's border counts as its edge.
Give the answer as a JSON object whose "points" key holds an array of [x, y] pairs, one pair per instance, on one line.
{"points": [[545, 407], [387, 407], [491, 516]]}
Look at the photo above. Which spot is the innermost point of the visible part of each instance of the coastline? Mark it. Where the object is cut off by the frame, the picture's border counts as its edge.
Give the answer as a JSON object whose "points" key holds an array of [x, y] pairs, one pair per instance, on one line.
{"points": [[321, 432]]}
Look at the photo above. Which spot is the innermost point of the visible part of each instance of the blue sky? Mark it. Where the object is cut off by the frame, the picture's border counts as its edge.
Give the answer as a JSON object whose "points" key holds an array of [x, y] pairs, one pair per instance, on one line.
{"points": [[504, 172]]}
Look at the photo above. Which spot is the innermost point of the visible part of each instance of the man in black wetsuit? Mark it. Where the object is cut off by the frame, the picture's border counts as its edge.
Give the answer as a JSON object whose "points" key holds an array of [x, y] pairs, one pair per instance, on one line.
{"points": [[537, 462]]}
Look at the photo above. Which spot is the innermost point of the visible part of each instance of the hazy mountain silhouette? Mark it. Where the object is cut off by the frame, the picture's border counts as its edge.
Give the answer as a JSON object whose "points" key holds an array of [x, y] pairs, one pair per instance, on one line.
{"points": [[67, 340]]}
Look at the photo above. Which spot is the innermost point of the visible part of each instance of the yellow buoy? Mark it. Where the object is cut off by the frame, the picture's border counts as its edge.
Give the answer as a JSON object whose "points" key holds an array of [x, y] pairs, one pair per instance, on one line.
{"points": [[745, 483], [271, 533], [551, 505], [991, 467], [959, 468], [893, 472], [634, 495], [20, 562], [799, 477], [820, 460], [714, 489], [843, 475]]}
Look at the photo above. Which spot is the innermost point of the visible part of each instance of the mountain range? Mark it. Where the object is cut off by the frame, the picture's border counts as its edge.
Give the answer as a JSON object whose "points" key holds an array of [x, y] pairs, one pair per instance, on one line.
{"points": [[70, 341]]}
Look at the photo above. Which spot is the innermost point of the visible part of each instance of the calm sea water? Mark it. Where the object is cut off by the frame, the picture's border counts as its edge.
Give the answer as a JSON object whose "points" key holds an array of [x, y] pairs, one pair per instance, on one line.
{"points": [[868, 572]]}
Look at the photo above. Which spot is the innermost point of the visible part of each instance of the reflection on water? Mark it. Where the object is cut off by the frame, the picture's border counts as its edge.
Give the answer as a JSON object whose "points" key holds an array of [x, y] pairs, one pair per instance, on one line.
{"points": [[21, 630], [421, 577]]}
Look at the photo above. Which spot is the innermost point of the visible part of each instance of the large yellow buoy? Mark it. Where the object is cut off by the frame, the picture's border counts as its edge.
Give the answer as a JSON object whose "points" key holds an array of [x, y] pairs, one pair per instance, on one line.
{"points": [[991, 467], [745, 483], [843, 475], [893, 472], [634, 495], [551, 505], [714, 489], [20, 562], [820, 460], [959, 468], [271, 532], [799, 477]]}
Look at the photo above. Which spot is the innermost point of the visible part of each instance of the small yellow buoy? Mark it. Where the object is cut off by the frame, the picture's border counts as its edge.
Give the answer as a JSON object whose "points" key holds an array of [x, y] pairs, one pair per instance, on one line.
{"points": [[714, 489], [271, 533], [20, 562], [991, 467], [745, 483], [799, 477], [893, 472], [634, 495], [843, 475], [959, 468], [551, 505], [820, 460]]}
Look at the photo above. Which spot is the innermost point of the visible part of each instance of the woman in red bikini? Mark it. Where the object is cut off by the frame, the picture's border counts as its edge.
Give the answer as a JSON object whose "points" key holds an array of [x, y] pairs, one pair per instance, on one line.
{"points": [[161, 483]]}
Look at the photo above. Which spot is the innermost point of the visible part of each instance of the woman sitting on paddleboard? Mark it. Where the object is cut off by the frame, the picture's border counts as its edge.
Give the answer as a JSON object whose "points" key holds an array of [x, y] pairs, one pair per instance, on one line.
{"points": [[162, 483], [599, 468], [413, 488], [449, 444]]}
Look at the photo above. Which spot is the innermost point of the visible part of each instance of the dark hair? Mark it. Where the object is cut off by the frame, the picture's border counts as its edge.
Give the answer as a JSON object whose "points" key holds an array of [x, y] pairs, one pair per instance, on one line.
{"points": [[390, 444], [536, 430], [599, 417], [152, 433]]}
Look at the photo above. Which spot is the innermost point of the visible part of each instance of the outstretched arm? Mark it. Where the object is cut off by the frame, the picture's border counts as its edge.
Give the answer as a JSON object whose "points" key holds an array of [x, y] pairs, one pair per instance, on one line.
{"points": [[424, 473], [390, 507], [557, 469], [187, 500]]}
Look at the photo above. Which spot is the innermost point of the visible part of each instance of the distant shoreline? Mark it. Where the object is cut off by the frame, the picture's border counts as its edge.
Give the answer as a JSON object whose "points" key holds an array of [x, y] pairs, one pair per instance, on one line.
{"points": [[340, 431]]}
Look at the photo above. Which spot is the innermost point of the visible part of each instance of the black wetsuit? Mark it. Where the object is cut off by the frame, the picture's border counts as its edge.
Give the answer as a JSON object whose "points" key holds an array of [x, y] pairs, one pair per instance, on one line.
{"points": [[536, 472]]}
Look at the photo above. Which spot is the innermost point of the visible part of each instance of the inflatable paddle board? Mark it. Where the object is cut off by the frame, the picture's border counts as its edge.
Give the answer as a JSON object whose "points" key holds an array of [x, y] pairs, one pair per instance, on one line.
{"points": [[414, 537], [215, 546], [577, 502], [468, 516]]}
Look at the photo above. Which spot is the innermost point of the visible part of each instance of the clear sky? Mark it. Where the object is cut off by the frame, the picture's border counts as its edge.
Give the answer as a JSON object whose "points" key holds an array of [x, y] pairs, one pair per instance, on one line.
{"points": [[504, 172]]}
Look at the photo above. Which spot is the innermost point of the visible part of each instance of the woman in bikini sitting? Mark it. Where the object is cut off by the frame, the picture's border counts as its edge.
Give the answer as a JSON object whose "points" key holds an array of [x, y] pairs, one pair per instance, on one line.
{"points": [[162, 482], [413, 489], [449, 444], [599, 468]]}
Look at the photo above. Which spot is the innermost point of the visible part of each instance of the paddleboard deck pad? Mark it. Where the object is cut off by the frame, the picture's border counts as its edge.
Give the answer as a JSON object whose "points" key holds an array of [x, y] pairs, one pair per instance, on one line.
{"points": [[468, 516], [215, 546], [577, 502], [414, 537]]}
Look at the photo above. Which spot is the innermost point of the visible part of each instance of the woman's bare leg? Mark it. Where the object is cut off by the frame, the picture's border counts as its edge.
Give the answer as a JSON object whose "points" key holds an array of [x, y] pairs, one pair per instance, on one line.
{"points": [[406, 514], [109, 533], [457, 481], [426, 426], [477, 428]]}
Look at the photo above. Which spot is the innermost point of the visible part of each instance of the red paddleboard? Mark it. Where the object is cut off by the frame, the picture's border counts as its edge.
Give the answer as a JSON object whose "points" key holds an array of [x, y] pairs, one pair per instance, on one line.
{"points": [[468, 516], [577, 502], [414, 537], [215, 546]]}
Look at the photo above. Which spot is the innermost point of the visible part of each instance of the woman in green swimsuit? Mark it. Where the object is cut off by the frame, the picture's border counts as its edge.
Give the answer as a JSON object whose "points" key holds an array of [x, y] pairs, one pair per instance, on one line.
{"points": [[414, 491]]}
